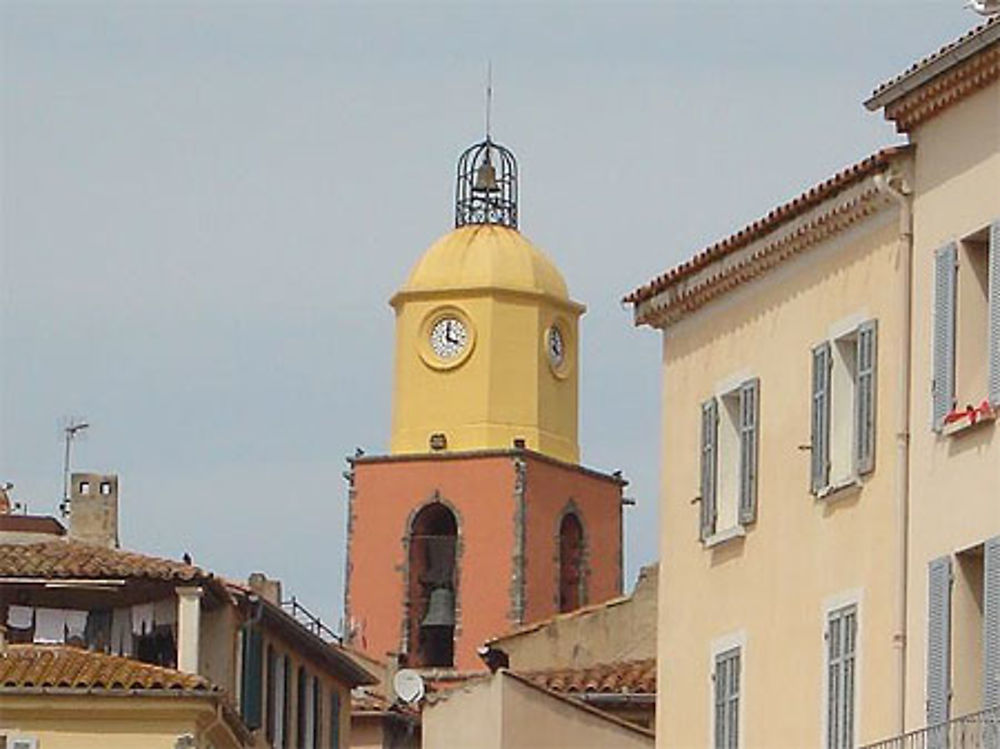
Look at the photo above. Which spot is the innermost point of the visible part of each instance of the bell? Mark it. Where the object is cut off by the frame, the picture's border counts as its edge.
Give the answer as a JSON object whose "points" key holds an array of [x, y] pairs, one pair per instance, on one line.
{"points": [[440, 609], [486, 179]]}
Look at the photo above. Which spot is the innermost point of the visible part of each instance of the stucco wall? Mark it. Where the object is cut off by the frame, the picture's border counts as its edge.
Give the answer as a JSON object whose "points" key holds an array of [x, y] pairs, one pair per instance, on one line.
{"points": [[110, 722], [622, 630], [955, 480], [500, 712], [770, 590]]}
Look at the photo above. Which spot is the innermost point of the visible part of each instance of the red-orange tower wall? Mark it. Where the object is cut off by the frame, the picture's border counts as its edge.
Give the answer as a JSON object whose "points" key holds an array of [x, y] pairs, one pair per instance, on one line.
{"points": [[508, 504]]}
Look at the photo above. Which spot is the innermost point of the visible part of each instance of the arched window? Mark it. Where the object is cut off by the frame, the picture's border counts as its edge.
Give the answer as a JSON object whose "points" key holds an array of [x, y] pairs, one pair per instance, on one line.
{"points": [[571, 577], [433, 537]]}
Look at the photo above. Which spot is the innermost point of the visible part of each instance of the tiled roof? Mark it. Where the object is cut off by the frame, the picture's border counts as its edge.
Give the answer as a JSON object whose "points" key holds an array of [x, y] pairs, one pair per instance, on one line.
{"points": [[574, 614], [69, 559], [31, 524], [768, 223], [626, 677], [940, 54], [62, 666]]}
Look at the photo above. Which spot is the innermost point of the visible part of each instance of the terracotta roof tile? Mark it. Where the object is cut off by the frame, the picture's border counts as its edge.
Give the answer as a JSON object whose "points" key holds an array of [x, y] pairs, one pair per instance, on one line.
{"points": [[924, 62], [768, 223], [68, 559], [62, 666], [626, 677]]}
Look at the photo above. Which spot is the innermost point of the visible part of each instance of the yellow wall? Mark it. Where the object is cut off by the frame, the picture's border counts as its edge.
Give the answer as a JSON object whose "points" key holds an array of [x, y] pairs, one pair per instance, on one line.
{"points": [[113, 722], [955, 480], [771, 590]]}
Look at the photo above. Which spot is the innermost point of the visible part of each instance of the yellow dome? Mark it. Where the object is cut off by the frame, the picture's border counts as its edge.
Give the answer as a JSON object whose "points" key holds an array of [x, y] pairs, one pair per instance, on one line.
{"points": [[486, 256]]}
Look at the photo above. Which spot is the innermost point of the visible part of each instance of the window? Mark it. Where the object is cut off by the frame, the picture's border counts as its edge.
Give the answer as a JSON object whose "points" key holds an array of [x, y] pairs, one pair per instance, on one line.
{"points": [[727, 699], [843, 408], [314, 729], [106, 488], [251, 676], [966, 330], [334, 718], [282, 669], [841, 647], [272, 686], [729, 448], [571, 577], [432, 579], [303, 703], [84, 487]]}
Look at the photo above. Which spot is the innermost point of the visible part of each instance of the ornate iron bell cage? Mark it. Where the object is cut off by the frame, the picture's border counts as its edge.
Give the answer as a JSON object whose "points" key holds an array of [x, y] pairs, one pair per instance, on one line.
{"points": [[486, 186]]}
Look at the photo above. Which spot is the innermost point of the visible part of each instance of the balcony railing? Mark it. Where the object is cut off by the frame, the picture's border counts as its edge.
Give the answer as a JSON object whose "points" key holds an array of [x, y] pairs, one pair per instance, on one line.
{"points": [[311, 622], [974, 731]]}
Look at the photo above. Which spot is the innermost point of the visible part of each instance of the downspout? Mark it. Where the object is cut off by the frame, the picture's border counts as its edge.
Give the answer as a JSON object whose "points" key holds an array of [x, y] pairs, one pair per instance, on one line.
{"points": [[894, 185]]}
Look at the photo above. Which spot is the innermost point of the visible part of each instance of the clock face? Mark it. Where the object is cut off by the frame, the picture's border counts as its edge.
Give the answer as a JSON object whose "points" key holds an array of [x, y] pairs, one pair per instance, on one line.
{"points": [[555, 345], [449, 337]]}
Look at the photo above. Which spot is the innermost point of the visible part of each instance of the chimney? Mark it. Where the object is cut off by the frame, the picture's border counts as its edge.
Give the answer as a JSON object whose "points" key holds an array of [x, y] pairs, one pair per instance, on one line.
{"points": [[267, 588], [93, 509]]}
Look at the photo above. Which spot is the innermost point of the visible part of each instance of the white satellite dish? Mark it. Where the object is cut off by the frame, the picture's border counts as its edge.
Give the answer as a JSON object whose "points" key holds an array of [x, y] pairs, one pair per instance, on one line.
{"points": [[408, 685]]}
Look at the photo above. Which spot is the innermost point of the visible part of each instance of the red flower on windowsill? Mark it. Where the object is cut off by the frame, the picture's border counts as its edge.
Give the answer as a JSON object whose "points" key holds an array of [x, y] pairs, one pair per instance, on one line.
{"points": [[973, 413]]}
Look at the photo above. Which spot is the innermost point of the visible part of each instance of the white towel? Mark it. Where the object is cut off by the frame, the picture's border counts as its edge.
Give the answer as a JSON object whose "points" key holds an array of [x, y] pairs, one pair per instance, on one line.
{"points": [[76, 623], [50, 625], [142, 619], [20, 617], [165, 612], [121, 632]]}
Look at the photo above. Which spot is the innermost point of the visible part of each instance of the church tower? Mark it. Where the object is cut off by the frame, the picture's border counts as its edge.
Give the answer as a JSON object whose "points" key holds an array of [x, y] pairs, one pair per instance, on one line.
{"points": [[480, 518]]}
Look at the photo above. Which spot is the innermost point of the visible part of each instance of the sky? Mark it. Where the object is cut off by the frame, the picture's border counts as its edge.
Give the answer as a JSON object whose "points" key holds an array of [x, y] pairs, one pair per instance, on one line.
{"points": [[206, 207]]}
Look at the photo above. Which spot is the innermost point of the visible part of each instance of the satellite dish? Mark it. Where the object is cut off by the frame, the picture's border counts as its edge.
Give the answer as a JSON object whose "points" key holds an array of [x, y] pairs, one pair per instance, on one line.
{"points": [[408, 685]]}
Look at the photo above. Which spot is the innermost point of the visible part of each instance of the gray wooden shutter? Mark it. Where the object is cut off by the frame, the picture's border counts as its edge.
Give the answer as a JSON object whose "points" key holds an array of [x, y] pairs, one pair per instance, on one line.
{"points": [[943, 385], [252, 677], [938, 642], [709, 460], [334, 718], [864, 397], [994, 348], [749, 448], [820, 438], [991, 623]]}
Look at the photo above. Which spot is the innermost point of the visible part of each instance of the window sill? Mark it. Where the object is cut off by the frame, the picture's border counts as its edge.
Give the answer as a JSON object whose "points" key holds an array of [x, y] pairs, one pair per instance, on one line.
{"points": [[845, 488], [720, 537], [966, 420]]}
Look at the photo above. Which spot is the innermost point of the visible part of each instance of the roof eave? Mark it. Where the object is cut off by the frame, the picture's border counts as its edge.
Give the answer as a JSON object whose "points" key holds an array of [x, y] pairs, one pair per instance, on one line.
{"points": [[913, 80]]}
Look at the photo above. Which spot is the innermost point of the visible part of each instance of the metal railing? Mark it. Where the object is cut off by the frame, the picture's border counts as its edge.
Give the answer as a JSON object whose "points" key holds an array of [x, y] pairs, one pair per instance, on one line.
{"points": [[974, 731], [310, 621]]}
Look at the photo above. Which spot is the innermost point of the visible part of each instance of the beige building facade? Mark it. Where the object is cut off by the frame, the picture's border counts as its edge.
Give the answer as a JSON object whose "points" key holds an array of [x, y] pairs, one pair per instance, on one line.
{"points": [[818, 435]]}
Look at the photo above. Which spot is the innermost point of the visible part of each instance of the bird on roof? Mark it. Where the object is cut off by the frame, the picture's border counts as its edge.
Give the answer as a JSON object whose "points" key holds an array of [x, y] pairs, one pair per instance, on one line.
{"points": [[186, 558], [984, 7]]}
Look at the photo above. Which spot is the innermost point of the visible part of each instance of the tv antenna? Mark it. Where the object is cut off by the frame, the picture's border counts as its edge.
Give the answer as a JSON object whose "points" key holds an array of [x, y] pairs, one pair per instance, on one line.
{"points": [[73, 429]]}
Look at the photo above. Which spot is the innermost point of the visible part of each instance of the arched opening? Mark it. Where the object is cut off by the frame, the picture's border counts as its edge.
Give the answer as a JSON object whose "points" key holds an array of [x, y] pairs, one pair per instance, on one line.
{"points": [[571, 578], [433, 537]]}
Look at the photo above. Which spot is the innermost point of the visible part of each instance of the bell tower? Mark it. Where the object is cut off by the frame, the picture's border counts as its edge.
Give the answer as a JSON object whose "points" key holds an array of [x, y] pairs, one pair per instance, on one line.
{"points": [[480, 517]]}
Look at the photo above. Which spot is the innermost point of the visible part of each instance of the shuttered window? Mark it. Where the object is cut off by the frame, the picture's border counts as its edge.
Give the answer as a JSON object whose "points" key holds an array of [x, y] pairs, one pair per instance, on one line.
{"points": [[251, 677], [841, 650], [991, 623], [820, 443], [938, 641], [994, 314], [317, 693], [943, 384], [334, 719], [727, 699], [843, 408], [280, 701], [864, 398], [709, 459], [302, 705], [272, 675], [749, 411]]}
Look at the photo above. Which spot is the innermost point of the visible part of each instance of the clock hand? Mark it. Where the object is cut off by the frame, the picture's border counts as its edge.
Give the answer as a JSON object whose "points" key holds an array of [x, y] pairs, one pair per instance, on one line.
{"points": [[447, 333]]}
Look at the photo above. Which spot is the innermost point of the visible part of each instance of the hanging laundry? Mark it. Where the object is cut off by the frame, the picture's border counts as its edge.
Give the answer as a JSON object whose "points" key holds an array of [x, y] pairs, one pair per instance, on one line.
{"points": [[20, 617], [50, 625], [76, 623], [142, 619], [121, 632], [165, 612]]}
